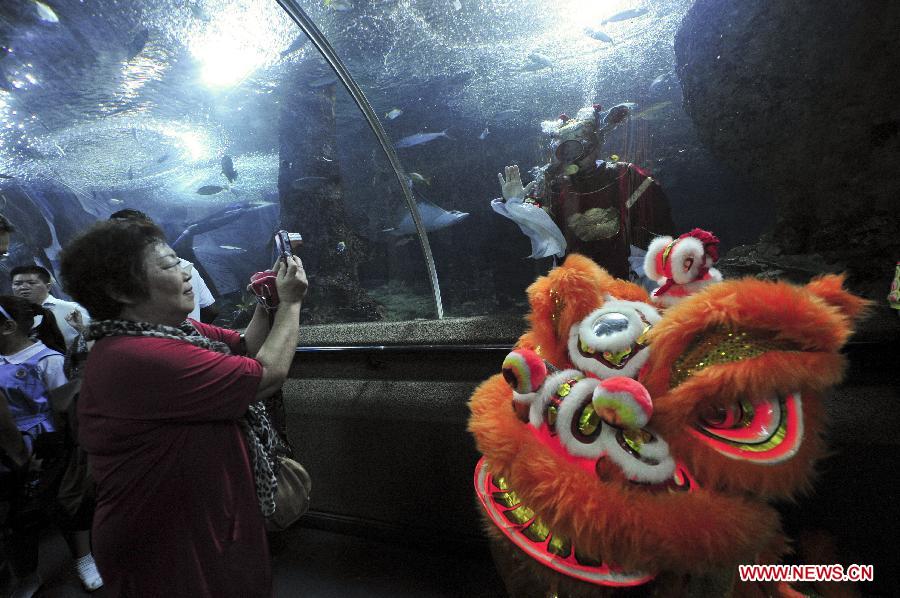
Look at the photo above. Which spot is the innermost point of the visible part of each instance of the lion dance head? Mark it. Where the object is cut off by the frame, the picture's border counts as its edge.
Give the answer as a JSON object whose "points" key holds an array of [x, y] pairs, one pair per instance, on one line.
{"points": [[628, 451]]}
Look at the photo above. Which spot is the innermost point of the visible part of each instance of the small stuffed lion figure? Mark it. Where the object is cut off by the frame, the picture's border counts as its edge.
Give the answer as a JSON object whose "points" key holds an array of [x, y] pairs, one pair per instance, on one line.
{"points": [[628, 453], [682, 266]]}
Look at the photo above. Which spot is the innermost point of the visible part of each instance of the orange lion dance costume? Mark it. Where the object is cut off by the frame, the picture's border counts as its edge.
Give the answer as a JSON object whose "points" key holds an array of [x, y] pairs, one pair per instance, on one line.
{"points": [[628, 452]]}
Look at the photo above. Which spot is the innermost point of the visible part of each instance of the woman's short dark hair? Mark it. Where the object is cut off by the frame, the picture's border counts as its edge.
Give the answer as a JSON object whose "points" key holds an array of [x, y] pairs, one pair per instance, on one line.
{"points": [[108, 259]]}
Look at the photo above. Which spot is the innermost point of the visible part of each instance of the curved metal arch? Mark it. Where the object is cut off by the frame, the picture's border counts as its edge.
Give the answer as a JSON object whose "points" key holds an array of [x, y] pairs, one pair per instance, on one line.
{"points": [[300, 17]]}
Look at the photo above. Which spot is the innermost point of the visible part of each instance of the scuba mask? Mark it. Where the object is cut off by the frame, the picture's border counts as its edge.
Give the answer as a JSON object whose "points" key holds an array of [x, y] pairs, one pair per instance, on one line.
{"points": [[577, 141]]}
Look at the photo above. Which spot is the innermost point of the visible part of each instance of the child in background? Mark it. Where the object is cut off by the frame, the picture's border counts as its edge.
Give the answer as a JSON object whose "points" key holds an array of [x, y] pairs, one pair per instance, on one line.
{"points": [[31, 468]]}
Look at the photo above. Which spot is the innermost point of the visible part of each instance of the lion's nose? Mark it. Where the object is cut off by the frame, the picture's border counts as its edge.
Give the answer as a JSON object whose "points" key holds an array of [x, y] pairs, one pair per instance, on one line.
{"points": [[622, 402]]}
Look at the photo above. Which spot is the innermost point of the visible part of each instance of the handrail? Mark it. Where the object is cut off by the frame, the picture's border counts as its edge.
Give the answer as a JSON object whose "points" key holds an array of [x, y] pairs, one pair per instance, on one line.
{"points": [[312, 32]]}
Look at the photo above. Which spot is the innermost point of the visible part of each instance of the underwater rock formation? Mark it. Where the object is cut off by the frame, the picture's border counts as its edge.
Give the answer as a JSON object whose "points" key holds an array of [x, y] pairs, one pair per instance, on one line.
{"points": [[311, 195], [797, 96]]}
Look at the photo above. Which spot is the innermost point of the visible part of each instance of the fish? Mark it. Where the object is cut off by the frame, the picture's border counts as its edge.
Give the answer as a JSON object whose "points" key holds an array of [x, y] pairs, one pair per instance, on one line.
{"points": [[228, 168], [162, 158], [433, 218], [536, 61], [420, 138], [233, 248], [115, 202], [505, 115], [341, 247], [484, 134], [6, 176], [322, 81], [418, 178], [393, 114], [217, 219], [457, 5], [138, 42], [45, 13], [339, 5], [306, 182], [598, 35], [624, 15], [130, 173], [211, 189], [662, 83], [298, 43], [655, 112]]}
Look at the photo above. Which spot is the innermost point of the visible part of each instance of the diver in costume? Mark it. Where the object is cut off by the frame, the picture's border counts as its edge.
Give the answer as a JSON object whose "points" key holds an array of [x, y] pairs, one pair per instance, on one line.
{"points": [[609, 211]]}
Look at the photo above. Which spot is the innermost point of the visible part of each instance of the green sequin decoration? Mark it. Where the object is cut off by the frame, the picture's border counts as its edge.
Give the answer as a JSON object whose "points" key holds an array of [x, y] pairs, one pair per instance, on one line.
{"points": [[720, 346], [589, 420]]}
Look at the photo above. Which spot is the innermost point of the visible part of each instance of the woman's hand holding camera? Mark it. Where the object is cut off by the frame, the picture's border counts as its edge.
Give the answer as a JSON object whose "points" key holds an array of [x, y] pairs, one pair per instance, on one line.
{"points": [[290, 280]]}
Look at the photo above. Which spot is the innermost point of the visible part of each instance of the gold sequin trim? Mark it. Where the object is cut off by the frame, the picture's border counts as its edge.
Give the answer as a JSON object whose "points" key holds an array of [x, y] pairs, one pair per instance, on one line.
{"points": [[719, 346], [537, 531], [559, 545], [558, 305], [520, 515], [507, 499]]}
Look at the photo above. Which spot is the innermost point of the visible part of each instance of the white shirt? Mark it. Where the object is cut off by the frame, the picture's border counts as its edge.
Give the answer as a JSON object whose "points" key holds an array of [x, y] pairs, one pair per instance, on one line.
{"points": [[202, 296], [61, 309], [51, 368]]}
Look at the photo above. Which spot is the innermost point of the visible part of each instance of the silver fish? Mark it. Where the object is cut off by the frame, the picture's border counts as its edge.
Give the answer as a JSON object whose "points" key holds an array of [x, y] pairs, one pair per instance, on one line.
{"points": [[663, 82], [484, 134], [338, 5], [322, 81], [393, 114], [625, 15], [598, 35], [309, 181], [536, 61], [420, 138], [298, 43], [210, 189], [45, 13], [505, 115]]}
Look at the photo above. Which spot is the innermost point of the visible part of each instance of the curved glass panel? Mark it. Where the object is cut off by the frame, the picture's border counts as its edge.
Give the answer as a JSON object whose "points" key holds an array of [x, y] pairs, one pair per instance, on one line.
{"points": [[464, 87], [219, 121]]}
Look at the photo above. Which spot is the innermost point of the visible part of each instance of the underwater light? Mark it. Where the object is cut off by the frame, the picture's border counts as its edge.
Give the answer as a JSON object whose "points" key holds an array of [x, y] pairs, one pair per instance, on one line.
{"points": [[226, 63], [233, 46]]}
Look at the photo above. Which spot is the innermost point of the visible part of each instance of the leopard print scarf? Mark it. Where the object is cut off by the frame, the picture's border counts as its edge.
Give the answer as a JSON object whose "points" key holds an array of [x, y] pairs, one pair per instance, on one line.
{"points": [[262, 440]]}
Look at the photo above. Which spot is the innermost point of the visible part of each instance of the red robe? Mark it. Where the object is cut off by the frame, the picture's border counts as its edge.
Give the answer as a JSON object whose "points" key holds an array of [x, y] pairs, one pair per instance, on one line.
{"points": [[602, 214]]}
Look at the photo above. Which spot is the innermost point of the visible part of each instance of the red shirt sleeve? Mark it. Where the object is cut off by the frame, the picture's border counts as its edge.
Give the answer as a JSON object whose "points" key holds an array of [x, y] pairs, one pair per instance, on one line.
{"points": [[145, 378], [223, 335]]}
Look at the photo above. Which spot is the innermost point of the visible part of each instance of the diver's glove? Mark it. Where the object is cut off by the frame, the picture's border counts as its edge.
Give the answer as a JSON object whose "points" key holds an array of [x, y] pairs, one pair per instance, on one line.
{"points": [[546, 238], [511, 186]]}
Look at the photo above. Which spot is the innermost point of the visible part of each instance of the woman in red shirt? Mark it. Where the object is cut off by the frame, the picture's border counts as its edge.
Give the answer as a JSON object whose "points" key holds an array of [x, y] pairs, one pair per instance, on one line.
{"points": [[165, 416]]}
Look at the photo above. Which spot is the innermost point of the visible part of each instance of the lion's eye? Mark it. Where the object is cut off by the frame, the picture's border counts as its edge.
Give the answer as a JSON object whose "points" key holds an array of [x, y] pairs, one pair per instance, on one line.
{"points": [[609, 324], [762, 429], [722, 418]]}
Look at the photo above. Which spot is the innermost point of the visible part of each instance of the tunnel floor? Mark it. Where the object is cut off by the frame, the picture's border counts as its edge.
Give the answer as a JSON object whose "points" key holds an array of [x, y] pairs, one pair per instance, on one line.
{"points": [[322, 564]]}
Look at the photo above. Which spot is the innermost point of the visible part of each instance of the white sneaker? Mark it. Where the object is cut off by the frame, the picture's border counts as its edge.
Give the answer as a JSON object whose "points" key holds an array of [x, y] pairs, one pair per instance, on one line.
{"points": [[88, 573]]}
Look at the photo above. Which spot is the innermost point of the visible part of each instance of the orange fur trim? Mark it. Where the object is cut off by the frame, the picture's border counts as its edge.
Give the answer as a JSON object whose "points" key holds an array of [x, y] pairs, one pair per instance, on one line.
{"points": [[637, 529], [564, 297], [830, 288], [792, 314]]}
